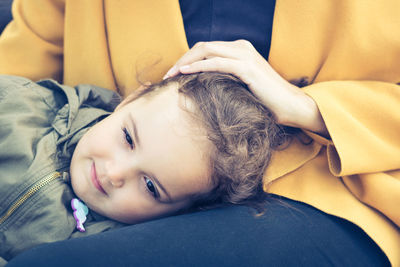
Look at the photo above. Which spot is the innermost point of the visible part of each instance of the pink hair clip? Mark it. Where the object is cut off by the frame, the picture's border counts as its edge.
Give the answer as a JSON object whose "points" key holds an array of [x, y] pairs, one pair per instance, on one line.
{"points": [[80, 212]]}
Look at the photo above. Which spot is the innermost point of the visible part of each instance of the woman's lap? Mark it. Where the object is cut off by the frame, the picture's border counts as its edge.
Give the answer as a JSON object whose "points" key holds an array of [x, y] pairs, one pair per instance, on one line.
{"points": [[289, 233]]}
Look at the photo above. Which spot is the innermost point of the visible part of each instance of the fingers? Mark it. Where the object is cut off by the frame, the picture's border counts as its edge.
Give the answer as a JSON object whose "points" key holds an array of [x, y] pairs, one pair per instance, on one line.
{"points": [[219, 64], [206, 50]]}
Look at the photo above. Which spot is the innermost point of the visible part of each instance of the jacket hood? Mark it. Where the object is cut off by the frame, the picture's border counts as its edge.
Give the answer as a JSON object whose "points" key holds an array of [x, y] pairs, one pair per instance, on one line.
{"points": [[84, 105]]}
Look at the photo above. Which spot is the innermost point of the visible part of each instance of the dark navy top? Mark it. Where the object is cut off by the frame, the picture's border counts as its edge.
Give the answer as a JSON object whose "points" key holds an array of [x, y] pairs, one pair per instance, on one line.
{"points": [[5, 13], [229, 20]]}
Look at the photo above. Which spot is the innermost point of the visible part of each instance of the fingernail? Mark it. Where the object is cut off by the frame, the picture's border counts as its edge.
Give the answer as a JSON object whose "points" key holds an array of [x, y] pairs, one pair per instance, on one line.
{"points": [[183, 68], [170, 72]]}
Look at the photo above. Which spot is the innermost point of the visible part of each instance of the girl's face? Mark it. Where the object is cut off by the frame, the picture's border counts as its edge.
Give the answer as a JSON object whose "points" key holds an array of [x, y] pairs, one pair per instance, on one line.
{"points": [[144, 161]]}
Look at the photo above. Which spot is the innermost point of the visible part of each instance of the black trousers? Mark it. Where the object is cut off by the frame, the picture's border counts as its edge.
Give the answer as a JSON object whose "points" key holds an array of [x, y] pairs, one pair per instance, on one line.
{"points": [[289, 233]]}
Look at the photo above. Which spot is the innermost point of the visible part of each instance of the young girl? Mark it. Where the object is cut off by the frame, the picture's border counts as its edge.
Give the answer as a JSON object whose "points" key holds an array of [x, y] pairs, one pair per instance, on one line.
{"points": [[191, 141]]}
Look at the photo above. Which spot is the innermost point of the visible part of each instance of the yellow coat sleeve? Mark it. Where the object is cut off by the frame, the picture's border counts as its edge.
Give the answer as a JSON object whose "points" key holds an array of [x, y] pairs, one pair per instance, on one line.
{"points": [[378, 190], [32, 44], [364, 123]]}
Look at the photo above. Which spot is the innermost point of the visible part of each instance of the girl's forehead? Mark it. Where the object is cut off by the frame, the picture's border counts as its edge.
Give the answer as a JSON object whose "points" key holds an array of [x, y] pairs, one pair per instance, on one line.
{"points": [[172, 146]]}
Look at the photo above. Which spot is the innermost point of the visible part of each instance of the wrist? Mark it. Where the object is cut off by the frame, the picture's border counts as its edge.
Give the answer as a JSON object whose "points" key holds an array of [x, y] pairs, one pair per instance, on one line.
{"points": [[309, 117], [302, 112]]}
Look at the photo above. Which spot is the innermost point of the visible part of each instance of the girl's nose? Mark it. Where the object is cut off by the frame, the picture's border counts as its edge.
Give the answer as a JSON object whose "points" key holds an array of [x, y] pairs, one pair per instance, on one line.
{"points": [[116, 174], [118, 183]]}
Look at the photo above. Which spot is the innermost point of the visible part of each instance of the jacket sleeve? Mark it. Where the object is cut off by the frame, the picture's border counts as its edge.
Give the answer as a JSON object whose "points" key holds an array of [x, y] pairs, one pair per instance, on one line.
{"points": [[379, 190], [363, 120], [32, 44]]}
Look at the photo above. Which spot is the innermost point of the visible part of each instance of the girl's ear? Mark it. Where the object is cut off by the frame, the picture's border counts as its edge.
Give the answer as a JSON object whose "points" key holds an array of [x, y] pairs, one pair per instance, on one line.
{"points": [[132, 96]]}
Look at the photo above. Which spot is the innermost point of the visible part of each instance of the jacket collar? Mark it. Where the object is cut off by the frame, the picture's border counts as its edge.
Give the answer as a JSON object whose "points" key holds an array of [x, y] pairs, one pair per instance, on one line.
{"points": [[79, 108]]}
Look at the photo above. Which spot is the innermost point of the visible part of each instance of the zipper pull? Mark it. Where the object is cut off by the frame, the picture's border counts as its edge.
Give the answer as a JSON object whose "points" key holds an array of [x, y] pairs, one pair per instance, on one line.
{"points": [[66, 178]]}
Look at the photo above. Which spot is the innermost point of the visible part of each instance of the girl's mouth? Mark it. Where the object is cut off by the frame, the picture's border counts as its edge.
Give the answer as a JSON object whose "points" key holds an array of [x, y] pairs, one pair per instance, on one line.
{"points": [[95, 181]]}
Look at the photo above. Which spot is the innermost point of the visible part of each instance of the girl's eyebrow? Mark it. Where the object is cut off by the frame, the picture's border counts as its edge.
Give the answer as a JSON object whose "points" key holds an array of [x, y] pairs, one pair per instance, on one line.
{"points": [[135, 132]]}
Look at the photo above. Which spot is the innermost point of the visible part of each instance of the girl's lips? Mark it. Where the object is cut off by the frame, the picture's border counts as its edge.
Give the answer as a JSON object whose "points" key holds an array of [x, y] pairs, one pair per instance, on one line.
{"points": [[95, 181]]}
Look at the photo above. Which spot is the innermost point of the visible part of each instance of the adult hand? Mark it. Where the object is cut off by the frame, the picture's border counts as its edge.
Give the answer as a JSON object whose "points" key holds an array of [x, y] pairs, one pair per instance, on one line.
{"points": [[289, 104]]}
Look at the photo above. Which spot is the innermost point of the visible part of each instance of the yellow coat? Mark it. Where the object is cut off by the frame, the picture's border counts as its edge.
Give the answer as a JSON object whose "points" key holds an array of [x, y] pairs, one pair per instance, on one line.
{"points": [[348, 50]]}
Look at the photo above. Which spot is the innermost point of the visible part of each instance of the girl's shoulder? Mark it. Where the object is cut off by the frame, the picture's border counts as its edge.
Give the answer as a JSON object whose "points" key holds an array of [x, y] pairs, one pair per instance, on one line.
{"points": [[23, 93]]}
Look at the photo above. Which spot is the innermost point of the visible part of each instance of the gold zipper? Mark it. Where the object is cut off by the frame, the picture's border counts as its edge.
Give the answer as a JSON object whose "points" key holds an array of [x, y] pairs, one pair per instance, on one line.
{"points": [[31, 191]]}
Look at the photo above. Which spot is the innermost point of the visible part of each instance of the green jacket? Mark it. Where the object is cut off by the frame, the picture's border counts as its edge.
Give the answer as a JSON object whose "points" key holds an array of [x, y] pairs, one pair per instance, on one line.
{"points": [[40, 125]]}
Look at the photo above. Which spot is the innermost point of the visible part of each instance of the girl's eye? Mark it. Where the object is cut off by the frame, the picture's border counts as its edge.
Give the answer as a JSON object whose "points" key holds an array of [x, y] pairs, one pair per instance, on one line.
{"points": [[151, 187], [128, 138]]}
